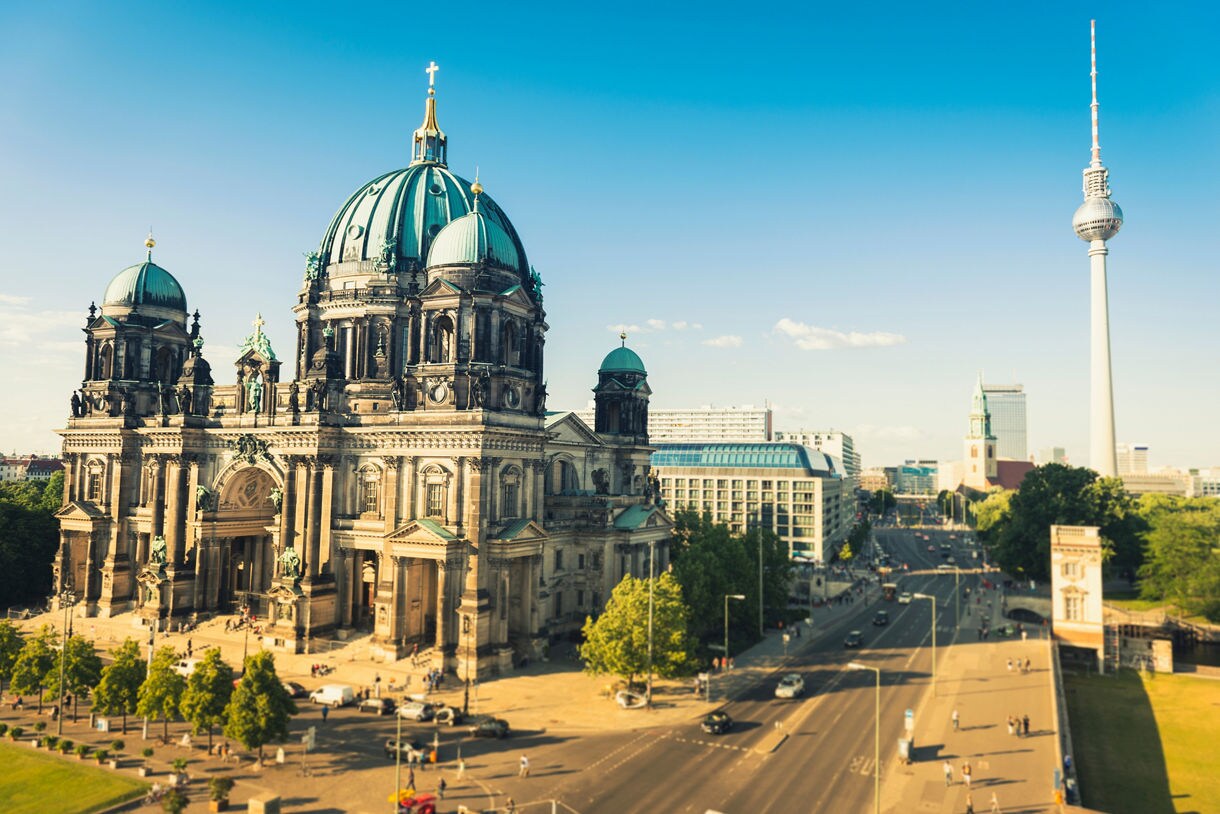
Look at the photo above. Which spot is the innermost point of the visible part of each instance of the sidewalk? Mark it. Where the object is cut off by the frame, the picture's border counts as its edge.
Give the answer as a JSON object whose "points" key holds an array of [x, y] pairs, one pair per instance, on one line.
{"points": [[974, 678]]}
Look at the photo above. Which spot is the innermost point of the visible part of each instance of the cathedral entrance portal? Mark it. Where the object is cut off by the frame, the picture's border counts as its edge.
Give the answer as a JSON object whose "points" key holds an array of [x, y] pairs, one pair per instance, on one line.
{"points": [[242, 556]]}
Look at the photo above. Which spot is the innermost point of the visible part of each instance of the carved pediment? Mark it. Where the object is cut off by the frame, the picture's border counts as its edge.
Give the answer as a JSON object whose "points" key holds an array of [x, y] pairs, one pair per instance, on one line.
{"points": [[421, 532], [80, 510], [569, 429], [522, 531], [440, 287]]}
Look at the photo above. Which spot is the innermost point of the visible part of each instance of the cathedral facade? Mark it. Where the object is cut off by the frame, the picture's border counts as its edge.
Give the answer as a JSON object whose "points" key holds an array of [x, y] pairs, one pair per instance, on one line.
{"points": [[400, 475]]}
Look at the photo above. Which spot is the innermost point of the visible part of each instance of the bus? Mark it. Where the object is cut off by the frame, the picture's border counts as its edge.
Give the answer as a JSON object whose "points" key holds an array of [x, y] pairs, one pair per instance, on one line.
{"points": [[889, 591]]}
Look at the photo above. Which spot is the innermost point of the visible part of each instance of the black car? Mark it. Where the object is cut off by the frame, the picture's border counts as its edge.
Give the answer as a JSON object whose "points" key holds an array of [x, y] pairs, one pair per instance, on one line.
{"points": [[377, 706], [717, 723], [489, 728], [407, 748], [882, 618], [295, 690], [854, 639]]}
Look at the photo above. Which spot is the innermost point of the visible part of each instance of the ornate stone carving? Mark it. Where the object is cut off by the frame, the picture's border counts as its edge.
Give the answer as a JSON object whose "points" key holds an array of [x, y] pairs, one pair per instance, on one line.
{"points": [[249, 448]]}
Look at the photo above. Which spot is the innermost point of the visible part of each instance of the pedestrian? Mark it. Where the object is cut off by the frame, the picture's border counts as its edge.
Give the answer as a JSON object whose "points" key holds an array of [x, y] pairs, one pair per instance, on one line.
{"points": [[377, 686], [1024, 634], [1010, 725], [524, 771], [956, 721], [325, 712], [440, 789], [969, 804], [1010, 665], [190, 648], [995, 804], [461, 767], [966, 773], [410, 778], [511, 807], [1028, 666], [1025, 725], [948, 767]]}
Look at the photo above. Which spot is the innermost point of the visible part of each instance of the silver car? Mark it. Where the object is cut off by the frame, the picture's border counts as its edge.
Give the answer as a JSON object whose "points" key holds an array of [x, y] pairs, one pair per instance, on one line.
{"points": [[790, 686]]}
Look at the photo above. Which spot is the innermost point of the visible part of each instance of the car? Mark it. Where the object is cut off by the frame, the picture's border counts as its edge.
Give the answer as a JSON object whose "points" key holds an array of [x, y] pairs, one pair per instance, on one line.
{"points": [[488, 727], [882, 618], [931, 548], [416, 711], [295, 690], [951, 561], [717, 723], [184, 667], [334, 695], [450, 716], [790, 686], [630, 700], [944, 566], [904, 598], [377, 706], [406, 748], [854, 639]]}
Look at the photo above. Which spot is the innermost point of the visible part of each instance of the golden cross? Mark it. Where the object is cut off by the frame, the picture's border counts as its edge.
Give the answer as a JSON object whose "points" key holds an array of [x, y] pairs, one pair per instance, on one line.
{"points": [[431, 72]]}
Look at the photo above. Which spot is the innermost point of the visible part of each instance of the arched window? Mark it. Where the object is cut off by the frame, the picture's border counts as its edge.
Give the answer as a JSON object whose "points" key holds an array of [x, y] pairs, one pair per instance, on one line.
{"points": [[369, 496], [105, 357], [166, 365], [435, 492], [93, 481], [510, 493], [442, 340], [508, 343]]}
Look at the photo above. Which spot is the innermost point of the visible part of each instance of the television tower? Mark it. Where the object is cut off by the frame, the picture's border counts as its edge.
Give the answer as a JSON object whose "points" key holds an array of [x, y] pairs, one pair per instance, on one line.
{"points": [[1097, 220]]}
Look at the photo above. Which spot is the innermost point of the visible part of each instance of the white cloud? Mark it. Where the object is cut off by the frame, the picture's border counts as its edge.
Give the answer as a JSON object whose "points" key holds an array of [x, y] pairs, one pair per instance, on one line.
{"points": [[10, 299], [652, 326], [812, 337], [726, 341]]}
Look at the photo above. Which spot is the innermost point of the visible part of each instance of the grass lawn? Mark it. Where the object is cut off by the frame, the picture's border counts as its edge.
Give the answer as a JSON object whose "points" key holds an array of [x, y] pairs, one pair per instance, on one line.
{"points": [[1146, 746], [34, 781]]}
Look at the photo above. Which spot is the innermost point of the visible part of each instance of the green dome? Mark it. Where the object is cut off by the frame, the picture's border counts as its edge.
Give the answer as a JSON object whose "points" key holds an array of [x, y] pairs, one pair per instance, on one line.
{"points": [[622, 360], [409, 207], [145, 284], [472, 239]]}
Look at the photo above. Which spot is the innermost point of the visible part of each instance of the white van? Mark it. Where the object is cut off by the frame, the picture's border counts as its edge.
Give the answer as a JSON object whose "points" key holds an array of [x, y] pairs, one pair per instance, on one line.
{"points": [[184, 667], [334, 695]]}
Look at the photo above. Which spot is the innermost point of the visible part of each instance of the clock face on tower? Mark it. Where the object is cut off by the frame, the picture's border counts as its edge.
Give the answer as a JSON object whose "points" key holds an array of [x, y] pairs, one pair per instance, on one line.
{"points": [[511, 398], [439, 393]]}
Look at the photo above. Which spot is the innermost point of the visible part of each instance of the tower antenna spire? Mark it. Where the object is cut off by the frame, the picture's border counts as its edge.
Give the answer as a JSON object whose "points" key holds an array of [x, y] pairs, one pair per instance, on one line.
{"points": [[1096, 162]]}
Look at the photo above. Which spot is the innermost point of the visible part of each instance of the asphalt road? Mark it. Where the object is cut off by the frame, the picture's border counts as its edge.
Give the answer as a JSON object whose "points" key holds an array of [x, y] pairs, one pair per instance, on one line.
{"points": [[825, 764]]}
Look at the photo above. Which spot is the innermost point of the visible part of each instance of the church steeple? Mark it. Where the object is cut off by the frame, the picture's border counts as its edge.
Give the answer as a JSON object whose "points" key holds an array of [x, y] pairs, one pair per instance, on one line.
{"points": [[980, 416], [430, 146]]}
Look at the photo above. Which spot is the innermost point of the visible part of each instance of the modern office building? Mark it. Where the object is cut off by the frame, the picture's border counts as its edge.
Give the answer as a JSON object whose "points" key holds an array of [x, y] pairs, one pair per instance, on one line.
{"points": [[875, 479], [1204, 482], [1132, 459], [1008, 423], [917, 478], [1052, 455], [799, 493], [703, 424], [833, 442]]}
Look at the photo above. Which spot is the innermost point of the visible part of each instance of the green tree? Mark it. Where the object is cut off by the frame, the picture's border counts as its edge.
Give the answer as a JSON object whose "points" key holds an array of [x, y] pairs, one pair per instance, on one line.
{"points": [[260, 707], [34, 661], [82, 670], [845, 553], [29, 536], [617, 641], [10, 647], [1055, 494], [709, 562], [1182, 559], [882, 501], [993, 513], [208, 690], [944, 502], [118, 691], [161, 692], [777, 571]]}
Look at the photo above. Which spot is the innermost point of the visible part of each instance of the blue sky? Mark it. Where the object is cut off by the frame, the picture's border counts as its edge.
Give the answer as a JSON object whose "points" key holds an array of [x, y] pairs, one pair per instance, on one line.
{"points": [[846, 212]]}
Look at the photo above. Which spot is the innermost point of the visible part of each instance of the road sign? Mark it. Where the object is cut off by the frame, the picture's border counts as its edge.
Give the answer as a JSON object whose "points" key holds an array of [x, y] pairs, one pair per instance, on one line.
{"points": [[715, 647], [909, 720]]}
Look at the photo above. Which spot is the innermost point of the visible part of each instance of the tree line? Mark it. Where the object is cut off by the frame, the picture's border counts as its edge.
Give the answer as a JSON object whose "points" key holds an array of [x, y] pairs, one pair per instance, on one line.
{"points": [[253, 710], [1171, 544], [707, 563], [29, 536]]}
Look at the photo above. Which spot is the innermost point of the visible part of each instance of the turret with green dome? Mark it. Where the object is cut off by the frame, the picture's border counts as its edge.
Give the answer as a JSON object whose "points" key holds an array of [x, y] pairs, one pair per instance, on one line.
{"points": [[621, 395]]}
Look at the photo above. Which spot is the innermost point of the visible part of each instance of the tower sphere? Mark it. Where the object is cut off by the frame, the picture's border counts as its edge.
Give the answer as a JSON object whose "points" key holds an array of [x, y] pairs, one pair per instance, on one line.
{"points": [[1097, 219]]}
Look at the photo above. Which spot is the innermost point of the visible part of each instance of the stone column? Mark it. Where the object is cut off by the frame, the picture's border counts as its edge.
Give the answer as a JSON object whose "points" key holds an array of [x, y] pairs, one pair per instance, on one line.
{"points": [[313, 514], [174, 508], [389, 492], [288, 504], [158, 500]]}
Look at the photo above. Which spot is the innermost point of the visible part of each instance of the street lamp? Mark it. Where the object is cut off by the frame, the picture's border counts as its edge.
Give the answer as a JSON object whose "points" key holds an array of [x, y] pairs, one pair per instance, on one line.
{"points": [[727, 597], [931, 599], [652, 554], [466, 693], [67, 599], [855, 665]]}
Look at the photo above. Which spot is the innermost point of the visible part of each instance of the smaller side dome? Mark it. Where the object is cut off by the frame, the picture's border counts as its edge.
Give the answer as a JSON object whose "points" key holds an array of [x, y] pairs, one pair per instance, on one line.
{"points": [[145, 284], [473, 239], [622, 360]]}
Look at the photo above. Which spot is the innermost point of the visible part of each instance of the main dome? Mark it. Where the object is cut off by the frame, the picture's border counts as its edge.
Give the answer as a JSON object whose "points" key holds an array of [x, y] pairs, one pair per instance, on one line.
{"points": [[145, 284]]}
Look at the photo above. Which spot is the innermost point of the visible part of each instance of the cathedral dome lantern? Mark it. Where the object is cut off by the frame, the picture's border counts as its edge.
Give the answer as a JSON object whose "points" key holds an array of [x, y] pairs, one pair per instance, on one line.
{"points": [[621, 395], [390, 223]]}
